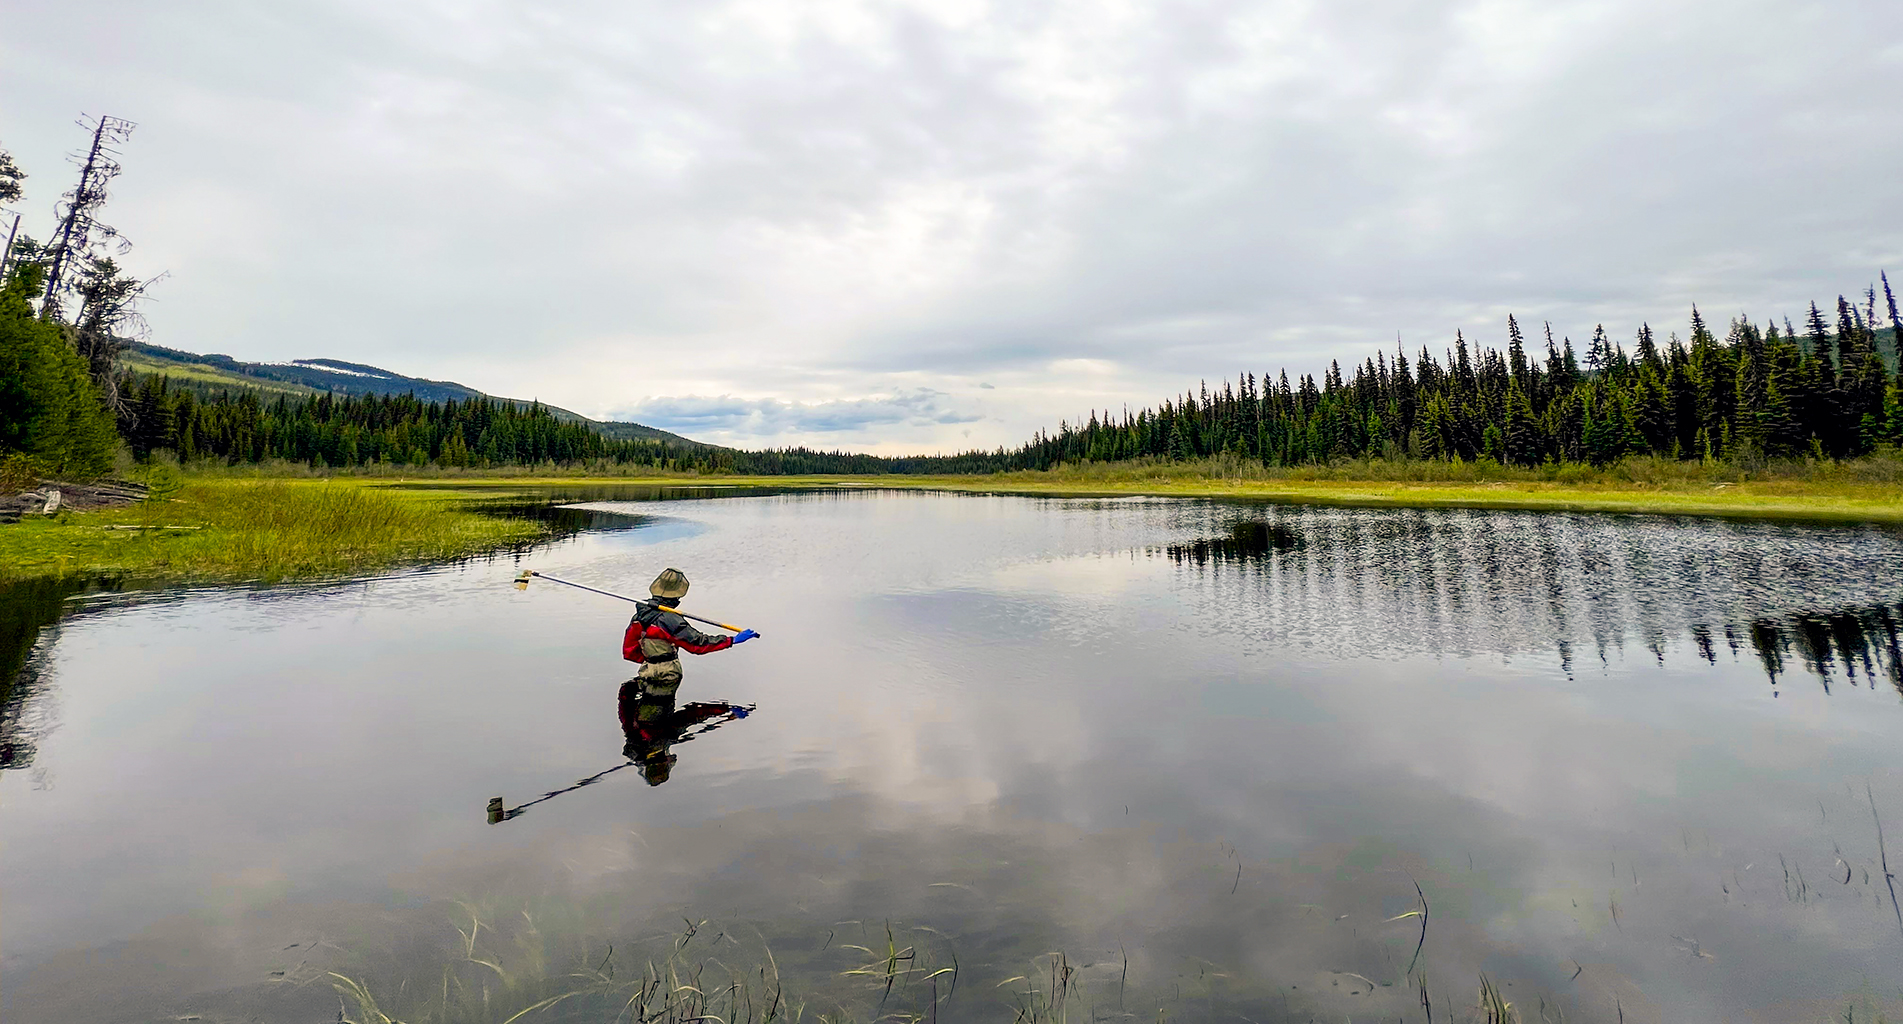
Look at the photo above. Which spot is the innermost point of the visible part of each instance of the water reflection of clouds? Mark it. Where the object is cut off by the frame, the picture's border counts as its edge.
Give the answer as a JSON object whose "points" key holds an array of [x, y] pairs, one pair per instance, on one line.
{"points": [[1789, 596], [1008, 695]]}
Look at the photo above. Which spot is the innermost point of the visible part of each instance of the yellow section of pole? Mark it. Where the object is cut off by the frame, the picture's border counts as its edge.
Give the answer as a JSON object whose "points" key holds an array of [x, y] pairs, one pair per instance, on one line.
{"points": [[710, 622]]}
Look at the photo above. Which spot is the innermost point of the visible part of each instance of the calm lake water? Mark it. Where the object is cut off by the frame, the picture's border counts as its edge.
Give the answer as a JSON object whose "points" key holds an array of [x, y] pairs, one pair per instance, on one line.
{"points": [[1206, 750]]}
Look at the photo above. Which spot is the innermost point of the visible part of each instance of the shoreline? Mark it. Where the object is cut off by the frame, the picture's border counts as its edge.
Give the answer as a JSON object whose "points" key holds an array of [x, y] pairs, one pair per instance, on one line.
{"points": [[1773, 499], [271, 528]]}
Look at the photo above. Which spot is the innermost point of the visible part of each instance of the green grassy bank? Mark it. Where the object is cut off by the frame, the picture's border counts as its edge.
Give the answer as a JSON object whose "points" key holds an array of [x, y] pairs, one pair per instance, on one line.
{"points": [[258, 529]]}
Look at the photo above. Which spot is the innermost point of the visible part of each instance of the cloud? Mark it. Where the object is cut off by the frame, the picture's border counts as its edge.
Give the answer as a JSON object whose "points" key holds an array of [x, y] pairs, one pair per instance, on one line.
{"points": [[605, 205], [726, 416]]}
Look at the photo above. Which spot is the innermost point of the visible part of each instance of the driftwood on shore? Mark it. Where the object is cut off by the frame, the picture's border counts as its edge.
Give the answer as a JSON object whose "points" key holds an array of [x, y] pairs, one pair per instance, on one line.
{"points": [[52, 497]]}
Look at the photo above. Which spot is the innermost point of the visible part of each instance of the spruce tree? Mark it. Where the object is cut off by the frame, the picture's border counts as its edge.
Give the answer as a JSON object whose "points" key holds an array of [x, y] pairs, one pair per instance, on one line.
{"points": [[1753, 378], [1823, 411], [1863, 375], [1599, 352], [1681, 394], [1523, 444], [1493, 443], [1648, 350], [1179, 447], [1516, 355], [1893, 413], [1649, 415], [1780, 432], [1896, 325], [49, 409]]}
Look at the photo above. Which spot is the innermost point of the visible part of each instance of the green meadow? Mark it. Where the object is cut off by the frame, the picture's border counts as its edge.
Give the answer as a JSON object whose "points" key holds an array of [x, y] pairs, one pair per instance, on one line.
{"points": [[215, 529]]}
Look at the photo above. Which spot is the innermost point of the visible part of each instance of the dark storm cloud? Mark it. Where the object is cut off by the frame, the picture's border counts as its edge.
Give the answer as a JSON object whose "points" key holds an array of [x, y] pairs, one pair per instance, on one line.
{"points": [[1082, 203]]}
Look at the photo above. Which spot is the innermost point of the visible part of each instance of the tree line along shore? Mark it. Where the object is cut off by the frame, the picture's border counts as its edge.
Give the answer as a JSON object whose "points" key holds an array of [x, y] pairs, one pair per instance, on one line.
{"points": [[1754, 397]]}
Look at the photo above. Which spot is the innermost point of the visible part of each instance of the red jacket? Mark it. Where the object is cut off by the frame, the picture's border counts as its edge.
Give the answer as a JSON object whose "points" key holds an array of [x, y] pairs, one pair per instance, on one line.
{"points": [[651, 623]]}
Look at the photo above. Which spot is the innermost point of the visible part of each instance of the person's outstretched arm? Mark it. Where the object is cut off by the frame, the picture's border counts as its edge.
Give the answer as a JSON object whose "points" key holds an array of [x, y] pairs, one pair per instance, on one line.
{"points": [[683, 635]]}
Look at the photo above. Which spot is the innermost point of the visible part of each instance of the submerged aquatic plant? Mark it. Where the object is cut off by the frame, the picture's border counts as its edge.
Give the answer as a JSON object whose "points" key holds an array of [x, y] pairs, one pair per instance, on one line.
{"points": [[899, 966], [1494, 1005], [521, 982]]}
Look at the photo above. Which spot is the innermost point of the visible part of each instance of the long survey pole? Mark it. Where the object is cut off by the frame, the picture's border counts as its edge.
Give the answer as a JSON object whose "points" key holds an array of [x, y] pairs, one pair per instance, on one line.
{"points": [[523, 581]]}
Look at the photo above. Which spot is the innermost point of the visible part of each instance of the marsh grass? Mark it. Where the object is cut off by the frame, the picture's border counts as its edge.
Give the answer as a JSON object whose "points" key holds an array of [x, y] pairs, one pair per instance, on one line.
{"points": [[902, 966], [1883, 468], [501, 976], [537, 968], [540, 968], [265, 530], [1869, 489], [1494, 1007]]}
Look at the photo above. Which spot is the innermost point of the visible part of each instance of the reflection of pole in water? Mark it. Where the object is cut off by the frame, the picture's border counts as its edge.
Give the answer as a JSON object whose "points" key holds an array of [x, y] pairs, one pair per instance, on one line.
{"points": [[676, 729], [498, 814]]}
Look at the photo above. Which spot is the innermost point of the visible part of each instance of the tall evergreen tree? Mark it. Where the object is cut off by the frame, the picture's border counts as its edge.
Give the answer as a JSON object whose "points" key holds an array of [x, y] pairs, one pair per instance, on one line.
{"points": [[49, 409]]}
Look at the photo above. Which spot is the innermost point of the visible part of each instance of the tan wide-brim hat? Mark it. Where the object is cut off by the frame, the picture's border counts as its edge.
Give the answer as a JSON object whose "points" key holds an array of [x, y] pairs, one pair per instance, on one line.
{"points": [[670, 585]]}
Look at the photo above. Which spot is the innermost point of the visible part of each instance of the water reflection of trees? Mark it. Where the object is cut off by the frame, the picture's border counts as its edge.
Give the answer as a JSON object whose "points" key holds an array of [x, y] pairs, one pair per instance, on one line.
{"points": [[26, 608], [1858, 641], [1246, 540], [1796, 598]]}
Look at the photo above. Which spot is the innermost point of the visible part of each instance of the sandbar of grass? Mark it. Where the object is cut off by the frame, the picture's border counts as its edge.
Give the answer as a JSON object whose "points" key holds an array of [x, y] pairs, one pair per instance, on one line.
{"points": [[266, 530], [1766, 500]]}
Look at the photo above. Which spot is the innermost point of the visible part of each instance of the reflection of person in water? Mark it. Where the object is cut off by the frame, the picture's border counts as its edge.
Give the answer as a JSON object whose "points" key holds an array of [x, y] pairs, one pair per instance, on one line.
{"points": [[653, 725], [657, 634]]}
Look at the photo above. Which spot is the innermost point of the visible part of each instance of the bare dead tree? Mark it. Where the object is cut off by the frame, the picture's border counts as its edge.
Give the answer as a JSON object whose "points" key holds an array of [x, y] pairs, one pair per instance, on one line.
{"points": [[108, 315], [80, 234], [80, 266], [10, 191]]}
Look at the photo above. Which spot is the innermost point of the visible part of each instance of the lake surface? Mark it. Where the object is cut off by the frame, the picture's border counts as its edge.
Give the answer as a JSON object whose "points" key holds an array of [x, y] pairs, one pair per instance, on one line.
{"points": [[1205, 750]]}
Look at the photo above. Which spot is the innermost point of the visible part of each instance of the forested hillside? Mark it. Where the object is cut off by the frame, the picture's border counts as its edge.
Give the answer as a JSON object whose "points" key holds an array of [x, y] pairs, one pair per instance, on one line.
{"points": [[208, 374], [244, 426], [353, 430]]}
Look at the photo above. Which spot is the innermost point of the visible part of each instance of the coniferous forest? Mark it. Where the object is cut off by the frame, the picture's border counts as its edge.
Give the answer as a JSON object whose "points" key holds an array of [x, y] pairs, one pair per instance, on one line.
{"points": [[1830, 390], [1759, 391]]}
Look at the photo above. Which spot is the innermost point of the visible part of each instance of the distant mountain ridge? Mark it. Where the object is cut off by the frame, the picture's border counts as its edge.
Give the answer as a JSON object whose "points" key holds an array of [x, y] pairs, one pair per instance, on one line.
{"points": [[212, 371]]}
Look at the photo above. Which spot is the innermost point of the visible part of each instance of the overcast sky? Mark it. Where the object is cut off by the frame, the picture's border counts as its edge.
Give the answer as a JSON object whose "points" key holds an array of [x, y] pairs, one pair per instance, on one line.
{"points": [[920, 226]]}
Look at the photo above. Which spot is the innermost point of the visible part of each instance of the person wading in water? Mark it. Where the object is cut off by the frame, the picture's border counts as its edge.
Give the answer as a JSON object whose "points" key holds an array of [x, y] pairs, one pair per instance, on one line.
{"points": [[656, 636]]}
